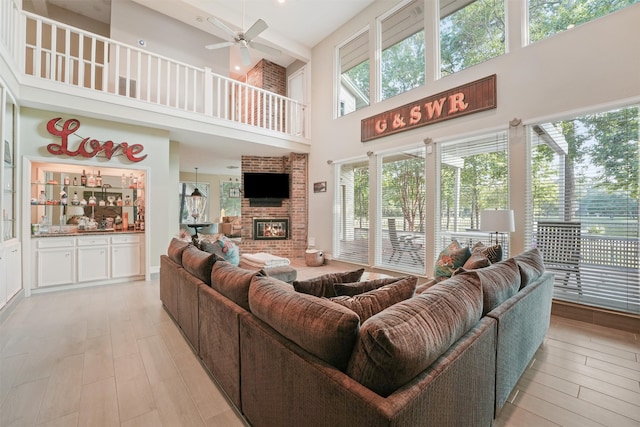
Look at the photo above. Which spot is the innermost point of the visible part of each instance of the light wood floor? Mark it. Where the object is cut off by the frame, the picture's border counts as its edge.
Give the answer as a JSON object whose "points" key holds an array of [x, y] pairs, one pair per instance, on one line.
{"points": [[111, 356]]}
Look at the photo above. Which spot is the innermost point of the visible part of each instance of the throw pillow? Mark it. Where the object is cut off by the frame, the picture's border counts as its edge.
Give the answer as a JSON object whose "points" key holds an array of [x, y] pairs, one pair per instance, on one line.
{"points": [[324, 329], [499, 282], [476, 260], [405, 339], [494, 253], [322, 286], [198, 263], [356, 288], [452, 257], [373, 302], [531, 266], [233, 282], [230, 250], [175, 250]]}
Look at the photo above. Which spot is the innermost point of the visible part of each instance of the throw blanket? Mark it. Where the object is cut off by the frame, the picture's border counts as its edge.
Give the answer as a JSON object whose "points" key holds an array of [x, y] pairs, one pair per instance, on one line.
{"points": [[264, 260]]}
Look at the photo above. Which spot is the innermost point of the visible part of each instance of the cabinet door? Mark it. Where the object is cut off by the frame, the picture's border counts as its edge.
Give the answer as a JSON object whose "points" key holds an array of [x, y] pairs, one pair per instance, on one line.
{"points": [[14, 269], [55, 266], [125, 260], [93, 263], [3, 277]]}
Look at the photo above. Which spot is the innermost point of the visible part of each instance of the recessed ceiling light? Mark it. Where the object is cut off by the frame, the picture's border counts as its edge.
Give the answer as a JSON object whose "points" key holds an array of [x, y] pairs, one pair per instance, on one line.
{"points": [[237, 68], [282, 1]]}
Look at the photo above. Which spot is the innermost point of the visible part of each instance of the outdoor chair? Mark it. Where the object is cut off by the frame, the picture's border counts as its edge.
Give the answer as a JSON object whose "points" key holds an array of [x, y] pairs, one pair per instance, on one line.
{"points": [[403, 244], [559, 244]]}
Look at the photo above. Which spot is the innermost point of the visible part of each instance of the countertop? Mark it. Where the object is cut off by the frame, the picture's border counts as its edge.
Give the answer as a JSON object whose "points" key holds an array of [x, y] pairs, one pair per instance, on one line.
{"points": [[84, 233]]}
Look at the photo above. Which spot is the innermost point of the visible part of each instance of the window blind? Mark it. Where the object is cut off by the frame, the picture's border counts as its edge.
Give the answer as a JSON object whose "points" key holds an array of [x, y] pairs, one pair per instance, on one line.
{"points": [[585, 176]]}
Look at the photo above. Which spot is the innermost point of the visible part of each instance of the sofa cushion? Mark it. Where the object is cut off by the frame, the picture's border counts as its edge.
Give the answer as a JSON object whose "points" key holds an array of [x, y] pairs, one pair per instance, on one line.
{"points": [[398, 343], [493, 253], [321, 327], [531, 266], [356, 288], [175, 250], [500, 282], [374, 301], [451, 258], [198, 263], [322, 286], [233, 282]]}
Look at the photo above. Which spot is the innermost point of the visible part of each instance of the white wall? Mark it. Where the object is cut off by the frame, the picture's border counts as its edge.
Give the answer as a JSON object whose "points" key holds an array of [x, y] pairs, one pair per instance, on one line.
{"points": [[592, 67], [166, 36], [162, 209]]}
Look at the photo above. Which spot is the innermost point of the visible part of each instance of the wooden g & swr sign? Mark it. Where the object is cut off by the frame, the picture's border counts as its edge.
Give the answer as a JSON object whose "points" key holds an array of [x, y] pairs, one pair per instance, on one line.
{"points": [[470, 98]]}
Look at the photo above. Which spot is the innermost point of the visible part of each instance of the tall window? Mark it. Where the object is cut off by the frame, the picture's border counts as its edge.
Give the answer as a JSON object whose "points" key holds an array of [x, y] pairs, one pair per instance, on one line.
{"points": [[473, 177], [471, 35], [353, 87], [352, 212], [403, 59], [585, 172], [547, 18], [401, 230], [230, 199]]}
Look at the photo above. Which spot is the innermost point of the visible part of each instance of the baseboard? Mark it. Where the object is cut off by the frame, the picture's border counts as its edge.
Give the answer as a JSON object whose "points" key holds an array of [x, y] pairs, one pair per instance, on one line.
{"points": [[597, 316], [6, 311]]}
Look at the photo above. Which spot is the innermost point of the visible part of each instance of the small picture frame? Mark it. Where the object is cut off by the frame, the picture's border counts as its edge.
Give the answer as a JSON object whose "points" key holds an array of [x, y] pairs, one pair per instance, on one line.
{"points": [[7, 152], [234, 192], [320, 187]]}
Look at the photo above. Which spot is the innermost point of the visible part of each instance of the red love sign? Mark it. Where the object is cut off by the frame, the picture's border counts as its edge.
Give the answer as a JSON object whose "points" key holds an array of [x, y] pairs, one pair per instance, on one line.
{"points": [[88, 147]]}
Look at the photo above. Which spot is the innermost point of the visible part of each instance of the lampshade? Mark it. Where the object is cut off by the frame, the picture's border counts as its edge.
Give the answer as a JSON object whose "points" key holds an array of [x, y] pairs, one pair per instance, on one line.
{"points": [[497, 221]]}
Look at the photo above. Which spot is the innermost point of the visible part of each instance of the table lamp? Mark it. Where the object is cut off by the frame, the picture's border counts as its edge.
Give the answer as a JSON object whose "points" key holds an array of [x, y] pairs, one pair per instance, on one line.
{"points": [[497, 221]]}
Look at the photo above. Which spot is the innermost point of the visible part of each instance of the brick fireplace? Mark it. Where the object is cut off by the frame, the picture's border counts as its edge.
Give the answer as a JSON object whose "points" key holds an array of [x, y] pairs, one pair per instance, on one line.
{"points": [[294, 209]]}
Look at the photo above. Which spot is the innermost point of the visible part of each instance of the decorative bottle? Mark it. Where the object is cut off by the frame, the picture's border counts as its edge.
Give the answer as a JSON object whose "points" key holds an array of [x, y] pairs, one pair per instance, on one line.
{"points": [[66, 180], [75, 181], [99, 179], [83, 179], [42, 199], [91, 180], [75, 201]]}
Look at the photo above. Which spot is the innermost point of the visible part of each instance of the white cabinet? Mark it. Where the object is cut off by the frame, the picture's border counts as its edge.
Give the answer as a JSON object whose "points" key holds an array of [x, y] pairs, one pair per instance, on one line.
{"points": [[125, 256], [55, 261], [13, 257], [88, 259], [93, 258]]}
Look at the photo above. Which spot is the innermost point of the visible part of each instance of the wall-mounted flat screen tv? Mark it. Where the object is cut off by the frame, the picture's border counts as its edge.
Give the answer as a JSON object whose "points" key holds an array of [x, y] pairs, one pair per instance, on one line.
{"points": [[266, 185]]}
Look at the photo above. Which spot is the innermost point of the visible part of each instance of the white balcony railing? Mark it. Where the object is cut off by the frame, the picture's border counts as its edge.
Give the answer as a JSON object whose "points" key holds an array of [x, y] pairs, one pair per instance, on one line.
{"points": [[57, 52]]}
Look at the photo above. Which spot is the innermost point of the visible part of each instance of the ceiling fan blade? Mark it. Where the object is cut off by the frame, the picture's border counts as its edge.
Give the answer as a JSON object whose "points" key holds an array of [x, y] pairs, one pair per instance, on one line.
{"points": [[246, 56], [265, 49], [258, 27], [218, 45], [222, 26]]}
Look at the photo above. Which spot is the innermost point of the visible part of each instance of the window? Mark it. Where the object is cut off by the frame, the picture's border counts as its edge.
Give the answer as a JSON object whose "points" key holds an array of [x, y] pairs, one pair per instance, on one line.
{"points": [[352, 212], [401, 235], [548, 18], [473, 177], [471, 35], [585, 172], [353, 87], [230, 200], [402, 62]]}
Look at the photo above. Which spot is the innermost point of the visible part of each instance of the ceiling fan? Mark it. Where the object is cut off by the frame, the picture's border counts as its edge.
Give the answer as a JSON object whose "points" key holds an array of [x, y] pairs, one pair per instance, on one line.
{"points": [[243, 38]]}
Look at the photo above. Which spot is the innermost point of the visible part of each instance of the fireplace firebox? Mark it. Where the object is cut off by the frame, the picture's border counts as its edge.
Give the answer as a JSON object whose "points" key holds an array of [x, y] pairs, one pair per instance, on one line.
{"points": [[270, 228]]}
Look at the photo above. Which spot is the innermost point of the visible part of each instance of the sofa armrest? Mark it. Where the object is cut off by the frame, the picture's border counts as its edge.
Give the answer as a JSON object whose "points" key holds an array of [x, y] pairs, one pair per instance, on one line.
{"points": [[284, 385], [169, 282], [523, 321]]}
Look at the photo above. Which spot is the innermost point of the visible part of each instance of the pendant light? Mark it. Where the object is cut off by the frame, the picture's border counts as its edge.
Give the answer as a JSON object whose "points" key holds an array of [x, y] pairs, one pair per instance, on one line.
{"points": [[196, 202]]}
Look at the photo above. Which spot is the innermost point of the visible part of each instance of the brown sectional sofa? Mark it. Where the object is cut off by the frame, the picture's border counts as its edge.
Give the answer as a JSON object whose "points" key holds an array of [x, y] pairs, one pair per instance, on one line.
{"points": [[449, 356]]}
